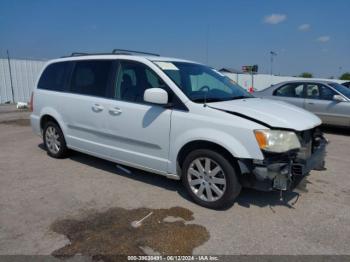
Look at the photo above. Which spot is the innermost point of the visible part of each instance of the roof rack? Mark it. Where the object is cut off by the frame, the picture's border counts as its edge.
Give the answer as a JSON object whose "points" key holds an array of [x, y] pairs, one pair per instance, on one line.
{"points": [[78, 54], [114, 52], [84, 54], [130, 52]]}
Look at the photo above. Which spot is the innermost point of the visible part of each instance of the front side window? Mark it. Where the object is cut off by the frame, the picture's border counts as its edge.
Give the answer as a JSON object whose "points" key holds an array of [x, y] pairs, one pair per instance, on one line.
{"points": [[321, 92], [92, 77], [55, 76], [133, 79], [290, 90], [201, 83], [342, 89]]}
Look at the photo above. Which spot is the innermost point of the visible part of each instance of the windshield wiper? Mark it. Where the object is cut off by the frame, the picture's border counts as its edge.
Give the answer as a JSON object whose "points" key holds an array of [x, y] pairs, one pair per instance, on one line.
{"points": [[241, 97], [202, 99]]}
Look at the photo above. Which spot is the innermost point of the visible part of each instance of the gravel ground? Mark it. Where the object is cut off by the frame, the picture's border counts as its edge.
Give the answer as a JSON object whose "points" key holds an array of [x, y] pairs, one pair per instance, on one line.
{"points": [[36, 191]]}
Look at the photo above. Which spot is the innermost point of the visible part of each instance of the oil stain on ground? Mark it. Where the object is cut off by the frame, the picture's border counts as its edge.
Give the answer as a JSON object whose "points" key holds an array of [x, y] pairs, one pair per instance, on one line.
{"points": [[103, 235]]}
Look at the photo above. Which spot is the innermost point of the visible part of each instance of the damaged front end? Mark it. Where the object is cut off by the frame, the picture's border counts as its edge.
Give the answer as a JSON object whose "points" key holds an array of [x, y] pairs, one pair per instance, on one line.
{"points": [[283, 171]]}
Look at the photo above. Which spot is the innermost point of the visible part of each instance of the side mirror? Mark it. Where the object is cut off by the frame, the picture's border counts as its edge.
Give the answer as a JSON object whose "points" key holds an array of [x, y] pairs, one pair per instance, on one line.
{"points": [[156, 96], [338, 98]]}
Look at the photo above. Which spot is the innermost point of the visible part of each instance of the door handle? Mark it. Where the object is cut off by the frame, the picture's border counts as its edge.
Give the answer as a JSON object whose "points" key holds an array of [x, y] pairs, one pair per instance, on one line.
{"points": [[115, 111], [97, 108], [310, 103]]}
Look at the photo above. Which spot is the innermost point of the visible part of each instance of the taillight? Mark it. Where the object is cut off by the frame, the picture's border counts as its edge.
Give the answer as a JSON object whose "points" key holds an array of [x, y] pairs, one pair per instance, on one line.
{"points": [[31, 106]]}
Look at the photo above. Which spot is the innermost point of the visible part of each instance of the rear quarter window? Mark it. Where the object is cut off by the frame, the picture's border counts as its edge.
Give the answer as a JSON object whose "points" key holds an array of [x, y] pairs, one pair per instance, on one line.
{"points": [[55, 77]]}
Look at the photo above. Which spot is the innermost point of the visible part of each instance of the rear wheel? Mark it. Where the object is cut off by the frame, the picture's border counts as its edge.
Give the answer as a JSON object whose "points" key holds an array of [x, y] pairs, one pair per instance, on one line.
{"points": [[54, 140], [210, 179]]}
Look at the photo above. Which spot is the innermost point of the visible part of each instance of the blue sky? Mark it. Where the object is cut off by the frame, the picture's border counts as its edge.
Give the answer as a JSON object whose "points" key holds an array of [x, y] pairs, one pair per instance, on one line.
{"points": [[312, 35]]}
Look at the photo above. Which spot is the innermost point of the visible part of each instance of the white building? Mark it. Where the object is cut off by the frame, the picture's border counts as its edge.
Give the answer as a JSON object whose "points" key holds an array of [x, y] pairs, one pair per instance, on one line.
{"points": [[262, 81]]}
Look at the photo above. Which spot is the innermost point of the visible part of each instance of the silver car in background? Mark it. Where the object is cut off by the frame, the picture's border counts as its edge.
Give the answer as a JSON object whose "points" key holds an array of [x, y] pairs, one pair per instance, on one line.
{"points": [[347, 84], [328, 100]]}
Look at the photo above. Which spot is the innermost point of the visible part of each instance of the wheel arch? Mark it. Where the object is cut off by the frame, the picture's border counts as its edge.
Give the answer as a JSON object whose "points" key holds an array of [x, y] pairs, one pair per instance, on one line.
{"points": [[47, 118], [61, 150], [48, 114], [204, 144]]}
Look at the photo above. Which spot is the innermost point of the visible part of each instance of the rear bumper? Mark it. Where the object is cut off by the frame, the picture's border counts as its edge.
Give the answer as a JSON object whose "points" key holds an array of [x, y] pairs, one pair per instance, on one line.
{"points": [[281, 172], [35, 123]]}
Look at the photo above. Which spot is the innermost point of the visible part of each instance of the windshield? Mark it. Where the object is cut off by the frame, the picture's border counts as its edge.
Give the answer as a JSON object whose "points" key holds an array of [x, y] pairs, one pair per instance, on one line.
{"points": [[342, 89], [201, 83]]}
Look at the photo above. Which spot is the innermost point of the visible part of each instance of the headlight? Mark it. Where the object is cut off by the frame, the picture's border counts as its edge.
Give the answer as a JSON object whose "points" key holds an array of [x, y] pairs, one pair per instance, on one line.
{"points": [[276, 141]]}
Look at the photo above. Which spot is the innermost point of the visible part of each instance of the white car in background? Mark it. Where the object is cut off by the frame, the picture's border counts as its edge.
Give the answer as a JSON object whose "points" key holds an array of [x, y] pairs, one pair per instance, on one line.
{"points": [[175, 118]]}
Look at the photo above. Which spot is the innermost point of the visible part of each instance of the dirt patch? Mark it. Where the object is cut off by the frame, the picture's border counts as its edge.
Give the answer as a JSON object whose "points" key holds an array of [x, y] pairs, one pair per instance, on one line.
{"points": [[346, 192], [16, 122], [103, 235], [322, 181]]}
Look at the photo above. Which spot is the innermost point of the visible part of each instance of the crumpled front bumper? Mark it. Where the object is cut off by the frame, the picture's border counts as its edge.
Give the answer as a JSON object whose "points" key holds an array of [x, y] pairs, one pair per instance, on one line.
{"points": [[282, 171]]}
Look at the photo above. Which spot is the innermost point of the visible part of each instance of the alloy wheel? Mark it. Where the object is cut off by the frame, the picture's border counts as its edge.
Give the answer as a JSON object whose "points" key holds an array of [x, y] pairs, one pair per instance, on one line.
{"points": [[206, 179], [52, 140]]}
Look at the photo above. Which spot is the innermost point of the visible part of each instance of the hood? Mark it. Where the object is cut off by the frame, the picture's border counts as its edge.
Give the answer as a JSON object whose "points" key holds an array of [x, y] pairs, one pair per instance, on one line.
{"points": [[271, 113]]}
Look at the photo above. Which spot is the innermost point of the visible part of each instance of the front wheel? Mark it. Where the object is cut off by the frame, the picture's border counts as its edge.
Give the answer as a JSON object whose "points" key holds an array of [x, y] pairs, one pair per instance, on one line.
{"points": [[210, 179]]}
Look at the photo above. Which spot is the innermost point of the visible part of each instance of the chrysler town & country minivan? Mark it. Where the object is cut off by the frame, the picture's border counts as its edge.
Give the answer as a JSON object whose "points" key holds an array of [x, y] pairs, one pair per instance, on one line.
{"points": [[176, 118]]}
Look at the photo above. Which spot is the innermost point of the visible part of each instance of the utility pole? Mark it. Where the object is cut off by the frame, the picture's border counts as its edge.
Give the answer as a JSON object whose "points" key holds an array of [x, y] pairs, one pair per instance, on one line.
{"points": [[272, 54], [10, 71]]}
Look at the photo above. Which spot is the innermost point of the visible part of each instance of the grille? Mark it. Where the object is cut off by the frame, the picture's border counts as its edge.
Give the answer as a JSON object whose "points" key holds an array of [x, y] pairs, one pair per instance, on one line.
{"points": [[297, 170]]}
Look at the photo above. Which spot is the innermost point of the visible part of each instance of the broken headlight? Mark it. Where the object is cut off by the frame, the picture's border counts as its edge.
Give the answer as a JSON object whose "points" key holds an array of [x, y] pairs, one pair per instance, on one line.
{"points": [[276, 141]]}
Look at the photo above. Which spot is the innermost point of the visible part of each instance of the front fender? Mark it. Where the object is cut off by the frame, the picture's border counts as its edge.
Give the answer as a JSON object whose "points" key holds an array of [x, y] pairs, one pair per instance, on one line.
{"points": [[239, 149]]}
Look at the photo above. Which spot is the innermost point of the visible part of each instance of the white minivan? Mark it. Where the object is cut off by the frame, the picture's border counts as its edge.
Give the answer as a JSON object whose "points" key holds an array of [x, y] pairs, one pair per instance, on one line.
{"points": [[176, 118]]}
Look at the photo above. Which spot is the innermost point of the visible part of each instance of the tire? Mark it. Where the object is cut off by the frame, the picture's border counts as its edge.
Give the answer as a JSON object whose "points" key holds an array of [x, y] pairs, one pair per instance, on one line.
{"points": [[54, 141], [211, 179]]}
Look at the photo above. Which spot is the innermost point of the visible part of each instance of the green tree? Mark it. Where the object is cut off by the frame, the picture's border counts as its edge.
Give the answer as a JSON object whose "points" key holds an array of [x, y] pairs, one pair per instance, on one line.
{"points": [[345, 76], [306, 75]]}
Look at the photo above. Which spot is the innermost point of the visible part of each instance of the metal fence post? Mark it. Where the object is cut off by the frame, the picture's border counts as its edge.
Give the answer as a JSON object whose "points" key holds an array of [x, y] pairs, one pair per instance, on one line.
{"points": [[10, 71]]}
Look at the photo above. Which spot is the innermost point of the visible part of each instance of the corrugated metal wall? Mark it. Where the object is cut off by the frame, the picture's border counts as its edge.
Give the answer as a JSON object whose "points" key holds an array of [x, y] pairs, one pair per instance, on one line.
{"points": [[24, 76]]}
